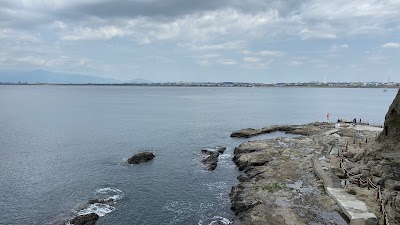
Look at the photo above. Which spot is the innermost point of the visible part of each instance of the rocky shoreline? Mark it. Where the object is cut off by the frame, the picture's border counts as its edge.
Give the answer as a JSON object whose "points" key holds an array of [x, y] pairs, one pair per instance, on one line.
{"points": [[279, 184]]}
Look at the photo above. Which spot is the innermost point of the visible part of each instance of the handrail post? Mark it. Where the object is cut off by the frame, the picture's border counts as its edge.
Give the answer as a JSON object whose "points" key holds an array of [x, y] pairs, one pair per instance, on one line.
{"points": [[379, 190]]}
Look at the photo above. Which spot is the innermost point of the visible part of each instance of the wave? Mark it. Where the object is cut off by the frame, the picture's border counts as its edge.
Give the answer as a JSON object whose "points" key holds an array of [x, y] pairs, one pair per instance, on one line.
{"points": [[108, 190], [103, 204], [225, 156], [98, 208], [215, 220]]}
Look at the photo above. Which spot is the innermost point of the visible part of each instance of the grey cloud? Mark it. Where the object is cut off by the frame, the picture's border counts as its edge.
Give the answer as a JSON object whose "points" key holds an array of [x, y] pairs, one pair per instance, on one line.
{"points": [[17, 14], [148, 8], [173, 8]]}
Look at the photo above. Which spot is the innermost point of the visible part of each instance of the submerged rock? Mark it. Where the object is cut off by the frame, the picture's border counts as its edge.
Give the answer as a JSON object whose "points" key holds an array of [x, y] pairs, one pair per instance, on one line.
{"points": [[141, 157], [88, 219]]}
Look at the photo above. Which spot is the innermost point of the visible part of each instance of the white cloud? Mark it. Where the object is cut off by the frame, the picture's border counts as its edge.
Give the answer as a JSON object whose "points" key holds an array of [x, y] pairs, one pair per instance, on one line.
{"points": [[245, 36], [204, 27], [18, 35], [264, 53], [271, 53], [101, 33], [295, 63], [222, 46], [391, 45], [227, 61], [307, 34], [251, 59], [335, 48]]}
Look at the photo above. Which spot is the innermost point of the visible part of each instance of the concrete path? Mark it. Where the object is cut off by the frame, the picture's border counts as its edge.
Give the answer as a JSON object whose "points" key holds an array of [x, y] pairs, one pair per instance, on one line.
{"points": [[354, 209], [368, 127]]}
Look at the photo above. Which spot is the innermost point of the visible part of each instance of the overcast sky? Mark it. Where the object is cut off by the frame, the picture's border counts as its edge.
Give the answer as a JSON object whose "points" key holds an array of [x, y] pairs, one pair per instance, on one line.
{"points": [[205, 40]]}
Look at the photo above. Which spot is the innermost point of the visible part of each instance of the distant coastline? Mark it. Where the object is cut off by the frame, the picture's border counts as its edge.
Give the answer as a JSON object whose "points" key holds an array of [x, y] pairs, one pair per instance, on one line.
{"points": [[227, 84]]}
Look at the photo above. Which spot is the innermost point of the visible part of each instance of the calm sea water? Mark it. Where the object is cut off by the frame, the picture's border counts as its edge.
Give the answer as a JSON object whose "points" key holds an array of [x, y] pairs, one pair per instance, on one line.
{"points": [[63, 145]]}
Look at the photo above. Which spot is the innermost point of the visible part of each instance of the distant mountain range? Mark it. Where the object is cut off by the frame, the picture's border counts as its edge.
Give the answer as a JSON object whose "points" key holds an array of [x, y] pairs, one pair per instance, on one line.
{"points": [[49, 77]]}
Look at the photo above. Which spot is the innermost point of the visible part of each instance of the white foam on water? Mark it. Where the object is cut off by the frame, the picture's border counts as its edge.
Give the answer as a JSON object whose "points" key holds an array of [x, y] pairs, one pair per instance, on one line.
{"points": [[123, 161], [225, 156], [109, 190], [220, 185], [98, 208], [215, 220], [221, 219]]}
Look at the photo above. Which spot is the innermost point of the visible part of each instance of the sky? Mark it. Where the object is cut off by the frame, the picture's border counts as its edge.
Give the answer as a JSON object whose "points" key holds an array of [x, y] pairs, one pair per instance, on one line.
{"points": [[264, 41]]}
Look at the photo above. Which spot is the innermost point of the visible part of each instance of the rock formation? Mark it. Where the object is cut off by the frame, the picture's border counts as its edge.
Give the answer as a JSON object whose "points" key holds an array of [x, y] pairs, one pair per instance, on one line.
{"points": [[141, 157], [310, 129], [388, 158], [211, 161], [88, 219], [278, 185], [391, 132]]}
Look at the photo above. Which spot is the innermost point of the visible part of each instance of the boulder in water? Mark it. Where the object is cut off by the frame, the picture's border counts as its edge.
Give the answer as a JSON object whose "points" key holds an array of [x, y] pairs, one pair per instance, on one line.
{"points": [[220, 150], [88, 219], [141, 157], [212, 159]]}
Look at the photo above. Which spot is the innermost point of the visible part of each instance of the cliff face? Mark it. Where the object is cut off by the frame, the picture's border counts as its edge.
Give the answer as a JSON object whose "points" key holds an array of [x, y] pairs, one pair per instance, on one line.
{"points": [[390, 135]]}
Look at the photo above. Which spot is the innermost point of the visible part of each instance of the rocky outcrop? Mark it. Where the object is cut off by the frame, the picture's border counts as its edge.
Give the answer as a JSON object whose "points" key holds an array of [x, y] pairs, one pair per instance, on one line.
{"points": [[390, 135], [107, 201], [250, 132], [306, 130], [88, 219], [387, 158], [211, 160], [141, 157], [220, 150], [277, 185]]}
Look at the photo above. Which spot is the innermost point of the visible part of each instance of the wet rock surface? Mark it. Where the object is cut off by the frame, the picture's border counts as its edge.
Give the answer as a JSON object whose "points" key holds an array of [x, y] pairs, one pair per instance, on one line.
{"points": [[141, 157], [310, 129], [88, 219], [211, 160]]}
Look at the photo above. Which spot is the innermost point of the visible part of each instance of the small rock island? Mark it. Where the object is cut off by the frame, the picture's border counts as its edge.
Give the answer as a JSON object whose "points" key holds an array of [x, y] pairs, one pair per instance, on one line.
{"points": [[141, 157]]}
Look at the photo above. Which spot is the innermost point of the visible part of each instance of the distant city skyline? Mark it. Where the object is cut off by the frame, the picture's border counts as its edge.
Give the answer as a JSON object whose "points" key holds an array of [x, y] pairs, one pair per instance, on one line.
{"points": [[204, 40]]}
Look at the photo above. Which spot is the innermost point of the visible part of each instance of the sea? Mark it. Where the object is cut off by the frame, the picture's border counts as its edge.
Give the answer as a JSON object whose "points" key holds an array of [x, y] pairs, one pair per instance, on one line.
{"points": [[63, 145]]}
